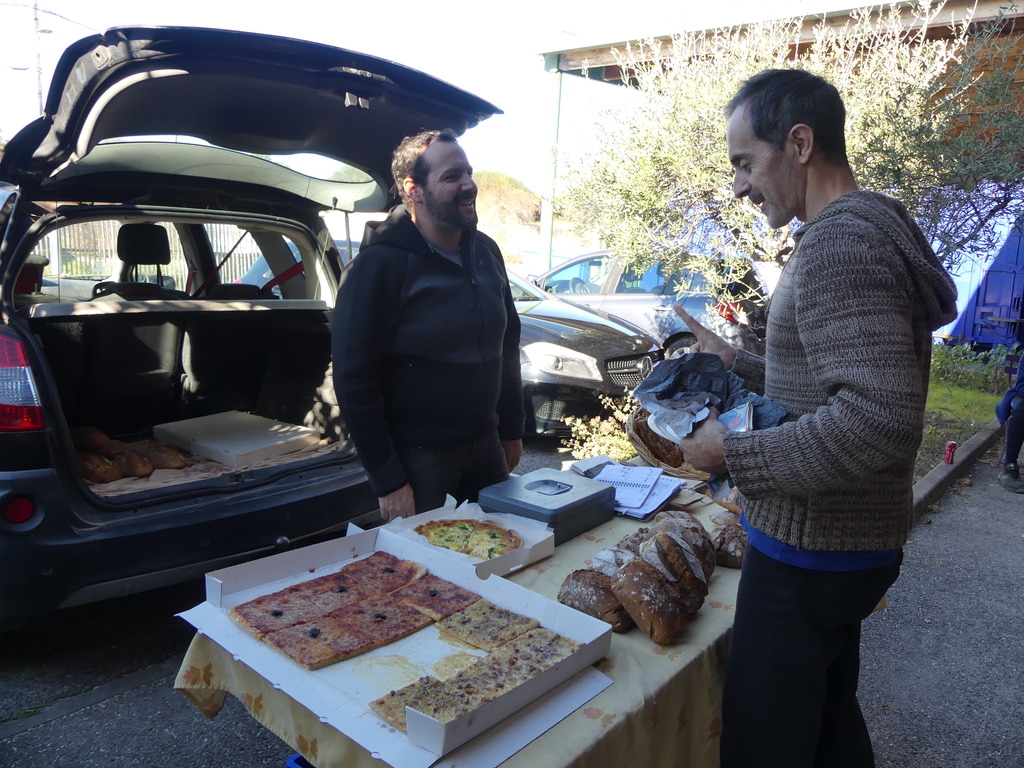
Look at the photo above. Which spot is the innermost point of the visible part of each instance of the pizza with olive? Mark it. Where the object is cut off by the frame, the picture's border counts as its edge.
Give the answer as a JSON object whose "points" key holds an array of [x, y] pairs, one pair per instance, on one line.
{"points": [[478, 538]]}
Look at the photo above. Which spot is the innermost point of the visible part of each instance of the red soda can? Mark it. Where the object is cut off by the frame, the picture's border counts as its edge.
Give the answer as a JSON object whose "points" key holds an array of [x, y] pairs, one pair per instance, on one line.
{"points": [[950, 452]]}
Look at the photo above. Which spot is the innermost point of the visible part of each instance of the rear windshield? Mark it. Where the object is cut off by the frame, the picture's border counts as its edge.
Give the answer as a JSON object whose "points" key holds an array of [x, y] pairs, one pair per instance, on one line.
{"points": [[86, 260]]}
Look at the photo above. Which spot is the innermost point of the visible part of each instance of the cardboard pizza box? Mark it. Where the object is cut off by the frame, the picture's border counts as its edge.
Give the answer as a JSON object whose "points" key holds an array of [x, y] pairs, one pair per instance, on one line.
{"points": [[339, 694], [235, 438], [538, 540]]}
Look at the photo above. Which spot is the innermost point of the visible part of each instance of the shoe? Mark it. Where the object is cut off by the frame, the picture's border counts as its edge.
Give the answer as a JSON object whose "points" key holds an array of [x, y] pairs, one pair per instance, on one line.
{"points": [[1009, 478]]}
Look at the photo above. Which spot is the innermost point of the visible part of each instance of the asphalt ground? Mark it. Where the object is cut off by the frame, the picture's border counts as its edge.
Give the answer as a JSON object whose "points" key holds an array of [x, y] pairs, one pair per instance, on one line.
{"points": [[942, 682]]}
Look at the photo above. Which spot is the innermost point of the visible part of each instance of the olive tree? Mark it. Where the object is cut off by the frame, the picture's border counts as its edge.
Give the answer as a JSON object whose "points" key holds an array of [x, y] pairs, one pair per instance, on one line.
{"points": [[935, 121]]}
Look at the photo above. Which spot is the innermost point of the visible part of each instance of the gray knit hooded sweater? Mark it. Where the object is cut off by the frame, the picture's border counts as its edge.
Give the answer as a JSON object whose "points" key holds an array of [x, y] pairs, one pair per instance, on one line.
{"points": [[848, 352]]}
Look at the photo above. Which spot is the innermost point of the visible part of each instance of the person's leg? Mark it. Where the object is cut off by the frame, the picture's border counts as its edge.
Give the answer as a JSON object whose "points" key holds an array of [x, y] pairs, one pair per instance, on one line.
{"points": [[1009, 477], [791, 679], [846, 600], [434, 472], [487, 466], [775, 676]]}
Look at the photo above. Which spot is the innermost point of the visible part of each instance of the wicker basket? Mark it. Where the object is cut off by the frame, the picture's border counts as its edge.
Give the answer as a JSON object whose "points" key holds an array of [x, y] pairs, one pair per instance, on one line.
{"points": [[684, 471]]}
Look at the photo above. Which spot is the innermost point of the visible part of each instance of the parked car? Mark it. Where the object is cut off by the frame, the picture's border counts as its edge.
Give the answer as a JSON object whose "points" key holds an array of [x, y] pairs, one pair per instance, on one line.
{"points": [[604, 281], [571, 355], [96, 214]]}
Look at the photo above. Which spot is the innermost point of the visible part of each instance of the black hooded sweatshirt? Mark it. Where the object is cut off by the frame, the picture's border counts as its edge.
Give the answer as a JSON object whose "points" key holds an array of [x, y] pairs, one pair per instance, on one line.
{"points": [[425, 351]]}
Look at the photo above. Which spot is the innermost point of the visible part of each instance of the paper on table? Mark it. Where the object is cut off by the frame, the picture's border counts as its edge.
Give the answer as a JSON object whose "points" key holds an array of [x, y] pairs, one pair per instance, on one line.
{"points": [[664, 489], [632, 484]]}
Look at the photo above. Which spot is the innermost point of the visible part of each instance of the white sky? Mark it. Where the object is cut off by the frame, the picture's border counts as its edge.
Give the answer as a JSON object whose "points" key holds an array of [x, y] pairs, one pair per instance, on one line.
{"points": [[490, 49]]}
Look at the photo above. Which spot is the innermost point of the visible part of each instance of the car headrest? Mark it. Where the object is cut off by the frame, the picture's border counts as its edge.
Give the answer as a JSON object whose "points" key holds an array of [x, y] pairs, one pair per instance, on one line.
{"points": [[143, 243]]}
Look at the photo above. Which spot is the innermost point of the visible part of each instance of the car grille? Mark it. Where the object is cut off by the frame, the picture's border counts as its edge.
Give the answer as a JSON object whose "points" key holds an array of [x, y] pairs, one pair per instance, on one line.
{"points": [[629, 371]]}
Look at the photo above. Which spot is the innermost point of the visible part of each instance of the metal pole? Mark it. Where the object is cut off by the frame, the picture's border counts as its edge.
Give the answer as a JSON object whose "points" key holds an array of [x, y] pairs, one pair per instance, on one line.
{"points": [[39, 58]]}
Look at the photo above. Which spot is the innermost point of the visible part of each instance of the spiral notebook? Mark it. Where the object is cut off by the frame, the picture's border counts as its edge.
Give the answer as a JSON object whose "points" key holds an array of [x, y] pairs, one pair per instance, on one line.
{"points": [[632, 484]]}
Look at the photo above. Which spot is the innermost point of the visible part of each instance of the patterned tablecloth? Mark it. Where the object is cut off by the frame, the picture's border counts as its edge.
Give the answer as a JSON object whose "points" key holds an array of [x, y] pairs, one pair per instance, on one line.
{"points": [[663, 709]]}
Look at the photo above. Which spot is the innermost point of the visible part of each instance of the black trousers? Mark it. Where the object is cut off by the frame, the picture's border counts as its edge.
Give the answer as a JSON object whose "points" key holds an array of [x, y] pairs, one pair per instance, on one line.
{"points": [[790, 695], [459, 469]]}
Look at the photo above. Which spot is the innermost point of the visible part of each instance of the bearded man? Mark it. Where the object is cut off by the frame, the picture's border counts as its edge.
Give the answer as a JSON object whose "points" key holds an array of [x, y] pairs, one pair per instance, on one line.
{"points": [[426, 340]]}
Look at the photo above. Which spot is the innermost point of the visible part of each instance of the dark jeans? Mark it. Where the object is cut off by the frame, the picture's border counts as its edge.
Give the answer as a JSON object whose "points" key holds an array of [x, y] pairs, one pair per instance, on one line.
{"points": [[791, 681], [459, 469]]}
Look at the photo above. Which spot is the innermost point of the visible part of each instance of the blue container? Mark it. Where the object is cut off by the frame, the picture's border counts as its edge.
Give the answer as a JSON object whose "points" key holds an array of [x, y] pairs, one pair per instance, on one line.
{"points": [[298, 761]]}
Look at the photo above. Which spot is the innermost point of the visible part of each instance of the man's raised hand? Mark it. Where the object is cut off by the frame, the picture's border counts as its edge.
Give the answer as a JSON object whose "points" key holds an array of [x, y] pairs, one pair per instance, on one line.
{"points": [[708, 340]]}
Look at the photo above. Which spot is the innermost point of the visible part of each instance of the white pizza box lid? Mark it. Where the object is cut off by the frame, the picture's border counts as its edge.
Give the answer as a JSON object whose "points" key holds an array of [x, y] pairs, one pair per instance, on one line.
{"points": [[339, 694], [538, 539], [235, 438]]}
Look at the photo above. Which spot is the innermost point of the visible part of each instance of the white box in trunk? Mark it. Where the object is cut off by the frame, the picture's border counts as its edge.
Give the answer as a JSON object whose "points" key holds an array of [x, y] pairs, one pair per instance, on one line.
{"points": [[235, 438], [339, 694]]}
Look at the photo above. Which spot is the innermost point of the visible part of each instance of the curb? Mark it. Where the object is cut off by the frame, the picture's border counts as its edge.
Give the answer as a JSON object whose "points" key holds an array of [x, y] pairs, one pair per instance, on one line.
{"points": [[930, 488]]}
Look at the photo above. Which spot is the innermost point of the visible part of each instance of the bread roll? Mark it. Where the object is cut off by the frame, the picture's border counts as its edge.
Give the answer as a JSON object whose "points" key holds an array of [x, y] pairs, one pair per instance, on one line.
{"points": [[655, 605], [96, 468], [590, 592], [730, 545], [132, 464]]}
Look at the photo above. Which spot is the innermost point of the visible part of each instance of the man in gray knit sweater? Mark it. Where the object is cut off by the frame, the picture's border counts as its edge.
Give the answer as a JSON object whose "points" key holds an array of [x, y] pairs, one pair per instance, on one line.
{"points": [[826, 495]]}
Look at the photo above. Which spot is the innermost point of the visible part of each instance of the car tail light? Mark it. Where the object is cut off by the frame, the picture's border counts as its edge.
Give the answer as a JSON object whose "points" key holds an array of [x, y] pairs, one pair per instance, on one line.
{"points": [[17, 510], [20, 409]]}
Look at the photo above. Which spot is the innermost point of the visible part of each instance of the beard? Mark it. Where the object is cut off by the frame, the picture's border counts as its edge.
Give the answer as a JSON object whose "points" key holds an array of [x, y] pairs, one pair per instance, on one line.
{"points": [[449, 212]]}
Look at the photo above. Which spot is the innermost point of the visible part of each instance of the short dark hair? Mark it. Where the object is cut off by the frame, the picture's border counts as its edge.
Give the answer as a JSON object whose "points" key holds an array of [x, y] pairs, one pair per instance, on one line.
{"points": [[778, 99], [407, 161]]}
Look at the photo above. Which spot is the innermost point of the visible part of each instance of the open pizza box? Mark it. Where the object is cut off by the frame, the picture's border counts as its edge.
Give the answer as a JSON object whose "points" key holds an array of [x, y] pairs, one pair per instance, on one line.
{"points": [[538, 540], [339, 694]]}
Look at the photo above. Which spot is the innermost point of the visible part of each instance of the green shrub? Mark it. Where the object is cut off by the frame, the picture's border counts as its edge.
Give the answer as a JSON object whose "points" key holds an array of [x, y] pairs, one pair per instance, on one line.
{"points": [[961, 366], [603, 435]]}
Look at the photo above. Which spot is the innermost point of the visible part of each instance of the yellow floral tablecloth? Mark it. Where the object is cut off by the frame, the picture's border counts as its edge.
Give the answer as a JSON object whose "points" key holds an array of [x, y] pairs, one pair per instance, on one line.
{"points": [[663, 709]]}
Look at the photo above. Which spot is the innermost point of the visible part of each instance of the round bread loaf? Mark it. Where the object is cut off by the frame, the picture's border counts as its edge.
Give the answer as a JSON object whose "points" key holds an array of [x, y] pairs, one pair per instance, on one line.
{"points": [[90, 440], [663, 450], [730, 545], [96, 468], [610, 559], [691, 529], [675, 558], [651, 600], [590, 592]]}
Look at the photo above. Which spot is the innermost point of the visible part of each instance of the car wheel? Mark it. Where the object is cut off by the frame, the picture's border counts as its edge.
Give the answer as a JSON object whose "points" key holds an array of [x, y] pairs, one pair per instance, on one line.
{"points": [[681, 345]]}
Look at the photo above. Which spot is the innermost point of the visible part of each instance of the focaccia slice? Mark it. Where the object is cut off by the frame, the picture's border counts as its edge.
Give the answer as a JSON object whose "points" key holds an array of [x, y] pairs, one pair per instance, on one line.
{"points": [[485, 625], [436, 597], [391, 706], [321, 642], [382, 572], [384, 620]]}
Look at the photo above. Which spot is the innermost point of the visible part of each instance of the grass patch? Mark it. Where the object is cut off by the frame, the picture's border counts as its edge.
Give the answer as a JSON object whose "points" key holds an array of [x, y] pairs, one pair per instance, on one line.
{"points": [[951, 413]]}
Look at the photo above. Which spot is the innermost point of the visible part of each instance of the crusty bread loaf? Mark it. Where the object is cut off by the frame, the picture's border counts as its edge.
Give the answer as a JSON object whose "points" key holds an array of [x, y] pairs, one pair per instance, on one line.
{"points": [[90, 440], [688, 527], [654, 603], [96, 468], [132, 464], [663, 450], [730, 545], [163, 456], [675, 558], [590, 592]]}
